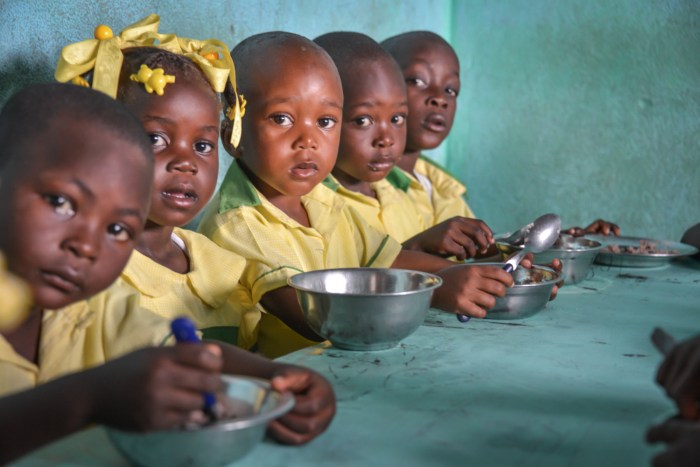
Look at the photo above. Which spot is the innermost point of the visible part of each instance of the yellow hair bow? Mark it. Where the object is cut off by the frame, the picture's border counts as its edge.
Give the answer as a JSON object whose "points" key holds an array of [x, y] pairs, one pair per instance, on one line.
{"points": [[104, 56]]}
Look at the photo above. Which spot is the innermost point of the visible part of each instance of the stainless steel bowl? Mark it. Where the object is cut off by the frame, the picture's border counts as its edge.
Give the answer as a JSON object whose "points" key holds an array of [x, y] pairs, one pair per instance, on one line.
{"points": [[364, 308], [251, 405], [529, 295], [575, 253]]}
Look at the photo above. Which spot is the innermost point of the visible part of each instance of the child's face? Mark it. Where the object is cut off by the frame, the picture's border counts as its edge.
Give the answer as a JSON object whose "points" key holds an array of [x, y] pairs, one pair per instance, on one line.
{"points": [[291, 129], [432, 84], [183, 125], [73, 208], [373, 133]]}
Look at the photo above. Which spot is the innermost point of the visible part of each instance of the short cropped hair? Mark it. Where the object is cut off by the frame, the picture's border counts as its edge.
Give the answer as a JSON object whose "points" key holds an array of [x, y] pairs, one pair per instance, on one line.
{"points": [[403, 45], [30, 113]]}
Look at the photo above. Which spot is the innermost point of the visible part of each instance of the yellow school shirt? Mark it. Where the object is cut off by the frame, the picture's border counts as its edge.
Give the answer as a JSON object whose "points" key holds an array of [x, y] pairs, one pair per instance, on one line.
{"points": [[277, 247], [392, 212], [209, 294], [81, 336], [447, 193]]}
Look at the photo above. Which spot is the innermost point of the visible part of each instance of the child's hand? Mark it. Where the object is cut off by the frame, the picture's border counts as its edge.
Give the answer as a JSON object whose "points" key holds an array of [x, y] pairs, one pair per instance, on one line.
{"points": [[470, 290], [459, 236], [679, 374], [156, 388], [683, 442], [313, 410], [555, 264], [597, 227]]}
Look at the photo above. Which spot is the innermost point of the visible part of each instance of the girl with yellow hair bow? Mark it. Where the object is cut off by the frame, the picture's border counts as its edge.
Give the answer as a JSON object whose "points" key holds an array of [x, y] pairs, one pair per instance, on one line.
{"points": [[171, 85]]}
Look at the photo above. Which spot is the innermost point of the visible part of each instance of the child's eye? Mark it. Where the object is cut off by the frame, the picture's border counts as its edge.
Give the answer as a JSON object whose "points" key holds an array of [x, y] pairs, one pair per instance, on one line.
{"points": [[415, 82], [282, 119], [363, 121], [398, 120], [61, 205], [119, 232], [326, 123], [452, 92], [158, 142], [204, 147]]}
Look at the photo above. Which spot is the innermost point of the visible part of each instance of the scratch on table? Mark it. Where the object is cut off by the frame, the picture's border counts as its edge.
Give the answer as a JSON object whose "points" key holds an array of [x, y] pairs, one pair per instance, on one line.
{"points": [[634, 355], [589, 288], [638, 278], [409, 362]]}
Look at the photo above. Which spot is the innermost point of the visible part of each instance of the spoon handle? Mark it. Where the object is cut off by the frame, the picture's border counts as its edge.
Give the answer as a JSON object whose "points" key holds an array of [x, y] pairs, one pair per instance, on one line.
{"points": [[512, 263], [184, 331]]}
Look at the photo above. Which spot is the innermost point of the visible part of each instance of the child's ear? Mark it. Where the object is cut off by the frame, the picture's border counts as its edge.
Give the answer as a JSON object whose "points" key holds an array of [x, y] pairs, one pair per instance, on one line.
{"points": [[226, 129]]}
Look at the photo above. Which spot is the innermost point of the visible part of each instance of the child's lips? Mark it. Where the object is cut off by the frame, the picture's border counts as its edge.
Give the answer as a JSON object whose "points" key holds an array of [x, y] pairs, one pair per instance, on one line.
{"points": [[178, 197], [304, 170], [383, 163], [67, 281], [435, 123]]}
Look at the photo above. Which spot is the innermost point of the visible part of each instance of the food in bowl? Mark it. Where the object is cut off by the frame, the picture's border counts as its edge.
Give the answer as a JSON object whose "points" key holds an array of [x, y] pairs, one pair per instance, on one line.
{"points": [[645, 247], [528, 296], [575, 253], [250, 405], [364, 308]]}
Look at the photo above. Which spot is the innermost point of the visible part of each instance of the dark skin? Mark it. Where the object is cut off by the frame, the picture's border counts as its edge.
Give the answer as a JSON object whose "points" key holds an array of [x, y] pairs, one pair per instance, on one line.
{"points": [[468, 290], [88, 213], [184, 127], [682, 438]]}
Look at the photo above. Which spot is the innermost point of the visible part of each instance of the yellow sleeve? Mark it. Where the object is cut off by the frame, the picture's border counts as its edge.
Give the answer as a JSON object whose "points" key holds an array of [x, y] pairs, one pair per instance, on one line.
{"points": [[379, 250]]}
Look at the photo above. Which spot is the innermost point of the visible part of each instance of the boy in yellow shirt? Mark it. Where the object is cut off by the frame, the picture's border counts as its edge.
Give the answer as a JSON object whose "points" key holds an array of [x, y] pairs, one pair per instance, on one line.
{"points": [[372, 140], [431, 69], [273, 209], [70, 222], [176, 271]]}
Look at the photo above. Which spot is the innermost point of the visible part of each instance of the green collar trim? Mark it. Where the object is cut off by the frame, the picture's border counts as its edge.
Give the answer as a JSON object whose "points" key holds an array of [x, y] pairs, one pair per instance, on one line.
{"points": [[399, 179], [330, 182], [237, 190]]}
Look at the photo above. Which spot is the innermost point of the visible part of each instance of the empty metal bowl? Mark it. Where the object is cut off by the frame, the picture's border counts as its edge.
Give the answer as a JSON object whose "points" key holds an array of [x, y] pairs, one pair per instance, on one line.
{"points": [[575, 253], [529, 295], [364, 308], [250, 405]]}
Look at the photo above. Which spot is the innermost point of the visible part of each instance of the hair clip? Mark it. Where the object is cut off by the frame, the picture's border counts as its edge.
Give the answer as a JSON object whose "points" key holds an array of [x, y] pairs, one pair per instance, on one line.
{"points": [[153, 80]]}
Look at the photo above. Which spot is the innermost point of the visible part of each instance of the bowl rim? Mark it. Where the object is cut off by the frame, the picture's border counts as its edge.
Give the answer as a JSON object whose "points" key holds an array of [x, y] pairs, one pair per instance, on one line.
{"points": [[437, 282]]}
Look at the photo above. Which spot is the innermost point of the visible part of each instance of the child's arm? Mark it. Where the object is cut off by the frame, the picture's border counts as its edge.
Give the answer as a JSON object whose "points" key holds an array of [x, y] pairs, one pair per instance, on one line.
{"points": [[599, 226], [283, 304], [683, 439], [679, 374], [459, 236], [314, 407], [155, 388], [465, 289]]}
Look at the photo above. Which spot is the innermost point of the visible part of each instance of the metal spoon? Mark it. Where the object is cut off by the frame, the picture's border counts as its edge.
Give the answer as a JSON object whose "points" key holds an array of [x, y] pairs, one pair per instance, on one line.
{"points": [[538, 236]]}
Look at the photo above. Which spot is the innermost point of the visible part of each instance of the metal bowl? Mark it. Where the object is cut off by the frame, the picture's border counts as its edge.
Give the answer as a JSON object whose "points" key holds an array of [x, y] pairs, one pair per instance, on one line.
{"points": [[575, 253], [529, 295], [250, 403], [364, 308]]}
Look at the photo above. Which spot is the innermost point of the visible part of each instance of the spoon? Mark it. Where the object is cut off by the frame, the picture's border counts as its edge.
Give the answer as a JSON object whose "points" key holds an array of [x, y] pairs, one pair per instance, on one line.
{"points": [[538, 236], [184, 331], [542, 234]]}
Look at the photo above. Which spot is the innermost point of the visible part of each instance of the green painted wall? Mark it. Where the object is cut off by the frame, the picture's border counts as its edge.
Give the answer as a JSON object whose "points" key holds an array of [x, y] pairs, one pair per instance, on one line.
{"points": [[587, 108]]}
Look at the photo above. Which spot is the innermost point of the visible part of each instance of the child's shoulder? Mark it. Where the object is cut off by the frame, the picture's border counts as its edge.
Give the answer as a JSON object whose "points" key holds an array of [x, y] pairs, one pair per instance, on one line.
{"points": [[436, 173]]}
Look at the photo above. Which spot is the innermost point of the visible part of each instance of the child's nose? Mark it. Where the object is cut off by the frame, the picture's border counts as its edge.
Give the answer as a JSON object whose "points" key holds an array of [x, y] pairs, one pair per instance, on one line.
{"points": [[184, 162], [384, 139], [437, 101], [84, 242], [306, 140]]}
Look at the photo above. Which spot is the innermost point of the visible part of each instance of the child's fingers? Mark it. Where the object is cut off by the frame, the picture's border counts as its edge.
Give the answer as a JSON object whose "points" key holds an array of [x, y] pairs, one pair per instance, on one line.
{"points": [[497, 274], [206, 357], [671, 430], [285, 435]]}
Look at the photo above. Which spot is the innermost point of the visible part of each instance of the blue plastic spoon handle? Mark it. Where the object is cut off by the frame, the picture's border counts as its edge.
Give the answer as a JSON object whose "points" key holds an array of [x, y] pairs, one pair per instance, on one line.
{"points": [[184, 331], [463, 318]]}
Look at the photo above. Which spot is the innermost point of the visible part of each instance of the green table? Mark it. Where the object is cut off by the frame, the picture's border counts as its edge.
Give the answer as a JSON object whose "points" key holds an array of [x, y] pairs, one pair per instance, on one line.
{"points": [[570, 386]]}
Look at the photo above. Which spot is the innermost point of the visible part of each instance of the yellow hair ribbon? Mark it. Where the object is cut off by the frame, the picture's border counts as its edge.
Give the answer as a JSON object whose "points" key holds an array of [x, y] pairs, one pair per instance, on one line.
{"points": [[153, 80], [104, 56]]}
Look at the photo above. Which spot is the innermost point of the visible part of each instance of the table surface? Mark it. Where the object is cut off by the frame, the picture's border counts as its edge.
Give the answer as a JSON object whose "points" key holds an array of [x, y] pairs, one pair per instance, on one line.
{"points": [[570, 386]]}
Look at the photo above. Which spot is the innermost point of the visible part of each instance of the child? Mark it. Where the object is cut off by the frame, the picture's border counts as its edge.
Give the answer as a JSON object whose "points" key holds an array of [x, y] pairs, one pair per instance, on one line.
{"points": [[679, 374], [273, 209], [177, 271], [74, 202], [372, 139], [431, 69]]}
